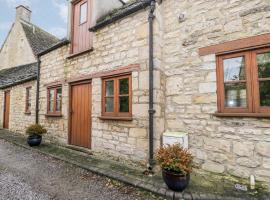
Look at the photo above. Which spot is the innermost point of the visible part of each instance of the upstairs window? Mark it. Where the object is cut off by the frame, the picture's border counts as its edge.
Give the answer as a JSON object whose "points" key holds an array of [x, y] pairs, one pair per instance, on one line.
{"points": [[54, 101], [244, 82], [83, 13], [116, 96], [28, 101]]}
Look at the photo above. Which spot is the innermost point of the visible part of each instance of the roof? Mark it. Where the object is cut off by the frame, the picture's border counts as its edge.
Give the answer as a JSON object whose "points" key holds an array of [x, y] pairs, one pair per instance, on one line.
{"points": [[18, 75], [119, 13], [59, 44], [38, 39]]}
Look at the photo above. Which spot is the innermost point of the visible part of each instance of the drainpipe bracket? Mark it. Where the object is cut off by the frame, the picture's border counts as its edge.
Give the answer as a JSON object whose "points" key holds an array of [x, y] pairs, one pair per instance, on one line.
{"points": [[151, 111]]}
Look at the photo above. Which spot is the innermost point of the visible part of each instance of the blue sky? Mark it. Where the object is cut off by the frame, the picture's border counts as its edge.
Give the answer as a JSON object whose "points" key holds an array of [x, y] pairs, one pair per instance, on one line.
{"points": [[50, 15]]}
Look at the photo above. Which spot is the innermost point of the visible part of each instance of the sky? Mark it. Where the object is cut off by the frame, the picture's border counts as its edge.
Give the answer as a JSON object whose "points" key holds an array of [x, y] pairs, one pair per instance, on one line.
{"points": [[50, 15]]}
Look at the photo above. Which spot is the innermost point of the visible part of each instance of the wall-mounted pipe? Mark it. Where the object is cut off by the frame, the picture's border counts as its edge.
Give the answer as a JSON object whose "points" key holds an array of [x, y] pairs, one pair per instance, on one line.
{"points": [[37, 92], [151, 110]]}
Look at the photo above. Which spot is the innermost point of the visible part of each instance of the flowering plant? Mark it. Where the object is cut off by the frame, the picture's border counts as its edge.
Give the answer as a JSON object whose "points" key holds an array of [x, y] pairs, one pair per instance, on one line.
{"points": [[175, 158], [36, 129]]}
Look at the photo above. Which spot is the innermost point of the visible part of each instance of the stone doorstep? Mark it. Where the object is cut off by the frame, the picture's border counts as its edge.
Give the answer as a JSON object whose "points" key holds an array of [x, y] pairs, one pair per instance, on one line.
{"points": [[138, 182]]}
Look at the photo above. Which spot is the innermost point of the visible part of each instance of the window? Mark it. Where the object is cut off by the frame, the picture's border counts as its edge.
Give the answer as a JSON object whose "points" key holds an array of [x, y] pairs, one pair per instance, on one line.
{"points": [[116, 97], [28, 101], [54, 100], [83, 13], [244, 82]]}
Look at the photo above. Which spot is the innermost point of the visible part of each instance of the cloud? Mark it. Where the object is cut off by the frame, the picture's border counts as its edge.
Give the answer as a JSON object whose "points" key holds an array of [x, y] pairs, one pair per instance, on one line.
{"points": [[14, 3], [58, 32], [62, 9], [4, 26]]}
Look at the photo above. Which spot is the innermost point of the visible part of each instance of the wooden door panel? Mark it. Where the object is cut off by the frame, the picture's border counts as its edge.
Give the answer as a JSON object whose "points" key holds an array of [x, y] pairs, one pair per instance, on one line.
{"points": [[6, 109], [81, 115], [81, 37]]}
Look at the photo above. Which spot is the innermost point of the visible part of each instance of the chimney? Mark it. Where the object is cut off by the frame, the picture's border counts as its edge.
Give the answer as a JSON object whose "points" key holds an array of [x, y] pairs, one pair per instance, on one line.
{"points": [[23, 12]]}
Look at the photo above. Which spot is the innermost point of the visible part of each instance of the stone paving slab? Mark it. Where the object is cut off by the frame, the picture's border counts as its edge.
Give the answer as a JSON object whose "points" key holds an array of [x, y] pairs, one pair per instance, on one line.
{"points": [[203, 185]]}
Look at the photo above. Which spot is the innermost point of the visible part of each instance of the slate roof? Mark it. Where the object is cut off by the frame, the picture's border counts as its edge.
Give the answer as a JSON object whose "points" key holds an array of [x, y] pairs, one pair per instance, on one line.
{"points": [[18, 75], [38, 39], [116, 14]]}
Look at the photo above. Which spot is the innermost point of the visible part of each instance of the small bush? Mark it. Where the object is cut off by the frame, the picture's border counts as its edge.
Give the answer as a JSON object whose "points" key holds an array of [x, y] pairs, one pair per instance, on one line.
{"points": [[175, 159], [36, 129]]}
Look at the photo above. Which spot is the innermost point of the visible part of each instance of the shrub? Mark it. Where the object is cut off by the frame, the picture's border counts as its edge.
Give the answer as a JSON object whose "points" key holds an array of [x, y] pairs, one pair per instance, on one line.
{"points": [[36, 129], [175, 158]]}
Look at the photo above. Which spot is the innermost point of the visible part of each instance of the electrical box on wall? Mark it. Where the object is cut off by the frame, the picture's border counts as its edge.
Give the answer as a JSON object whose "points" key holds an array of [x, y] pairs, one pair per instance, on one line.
{"points": [[176, 138]]}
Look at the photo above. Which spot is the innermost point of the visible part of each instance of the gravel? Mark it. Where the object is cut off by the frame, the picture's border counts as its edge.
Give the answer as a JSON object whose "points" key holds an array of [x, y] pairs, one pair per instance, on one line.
{"points": [[28, 175]]}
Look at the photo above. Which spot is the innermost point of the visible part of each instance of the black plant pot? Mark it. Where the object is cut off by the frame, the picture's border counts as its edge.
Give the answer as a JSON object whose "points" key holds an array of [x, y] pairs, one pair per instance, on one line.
{"points": [[34, 140], [176, 182]]}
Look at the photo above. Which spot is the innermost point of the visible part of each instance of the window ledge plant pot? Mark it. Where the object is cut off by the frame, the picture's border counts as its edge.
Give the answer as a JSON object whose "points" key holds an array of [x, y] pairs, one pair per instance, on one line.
{"points": [[174, 181]]}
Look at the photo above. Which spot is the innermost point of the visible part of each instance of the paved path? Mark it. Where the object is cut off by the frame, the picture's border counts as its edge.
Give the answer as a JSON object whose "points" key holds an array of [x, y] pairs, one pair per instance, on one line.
{"points": [[27, 175]]}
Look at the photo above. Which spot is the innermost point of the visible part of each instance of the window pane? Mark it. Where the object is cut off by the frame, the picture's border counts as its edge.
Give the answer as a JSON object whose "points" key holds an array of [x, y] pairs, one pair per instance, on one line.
{"points": [[28, 100], [109, 88], [123, 104], [83, 13], [51, 100], [235, 95], [265, 93], [58, 99], [109, 104], [124, 86], [263, 61], [234, 69]]}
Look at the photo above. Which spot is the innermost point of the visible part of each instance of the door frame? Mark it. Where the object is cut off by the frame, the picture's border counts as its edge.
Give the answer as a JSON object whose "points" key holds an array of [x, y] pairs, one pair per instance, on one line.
{"points": [[5, 107], [71, 84]]}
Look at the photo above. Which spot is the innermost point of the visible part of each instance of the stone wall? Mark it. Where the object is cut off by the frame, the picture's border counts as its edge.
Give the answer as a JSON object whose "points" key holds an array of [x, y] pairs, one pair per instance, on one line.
{"points": [[118, 45], [237, 146], [185, 84], [16, 49], [18, 120]]}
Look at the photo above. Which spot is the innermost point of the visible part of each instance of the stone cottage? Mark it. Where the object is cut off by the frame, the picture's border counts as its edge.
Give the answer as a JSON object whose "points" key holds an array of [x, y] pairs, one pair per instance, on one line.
{"points": [[18, 71], [201, 67]]}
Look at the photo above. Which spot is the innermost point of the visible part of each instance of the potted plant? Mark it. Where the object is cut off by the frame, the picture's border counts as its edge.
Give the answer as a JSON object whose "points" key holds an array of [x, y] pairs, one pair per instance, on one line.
{"points": [[35, 133], [176, 164]]}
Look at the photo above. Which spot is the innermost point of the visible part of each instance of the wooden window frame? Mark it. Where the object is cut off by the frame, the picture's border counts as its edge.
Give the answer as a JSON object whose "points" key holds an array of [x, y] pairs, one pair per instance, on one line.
{"points": [[81, 4], [54, 113], [252, 84], [27, 107], [116, 115]]}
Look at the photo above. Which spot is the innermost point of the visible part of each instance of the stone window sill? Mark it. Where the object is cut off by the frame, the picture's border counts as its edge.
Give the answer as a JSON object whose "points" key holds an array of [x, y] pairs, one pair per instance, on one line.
{"points": [[116, 118], [53, 115], [27, 113], [254, 115]]}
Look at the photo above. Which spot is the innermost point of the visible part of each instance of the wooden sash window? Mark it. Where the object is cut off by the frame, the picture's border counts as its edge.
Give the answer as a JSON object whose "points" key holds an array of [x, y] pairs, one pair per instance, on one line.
{"points": [[28, 101], [116, 96], [54, 101], [244, 82]]}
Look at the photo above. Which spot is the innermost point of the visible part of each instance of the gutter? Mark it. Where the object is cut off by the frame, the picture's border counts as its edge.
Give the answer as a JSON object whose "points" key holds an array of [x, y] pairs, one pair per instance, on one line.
{"points": [[18, 83], [141, 5], [56, 46], [151, 110]]}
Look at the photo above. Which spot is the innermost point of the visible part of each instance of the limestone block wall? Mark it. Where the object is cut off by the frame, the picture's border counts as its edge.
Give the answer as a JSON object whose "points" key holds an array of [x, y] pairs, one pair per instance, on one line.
{"points": [[18, 120], [16, 49], [118, 45], [237, 146]]}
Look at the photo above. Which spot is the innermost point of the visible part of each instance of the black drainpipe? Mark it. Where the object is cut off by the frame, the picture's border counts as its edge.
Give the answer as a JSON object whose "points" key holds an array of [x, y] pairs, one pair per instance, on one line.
{"points": [[37, 92], [151, 85]]}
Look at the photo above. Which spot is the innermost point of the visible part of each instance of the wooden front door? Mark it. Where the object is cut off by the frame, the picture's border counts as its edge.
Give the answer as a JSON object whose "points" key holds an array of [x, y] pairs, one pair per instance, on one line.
{"points": [[6, 109], [80, 115]]}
